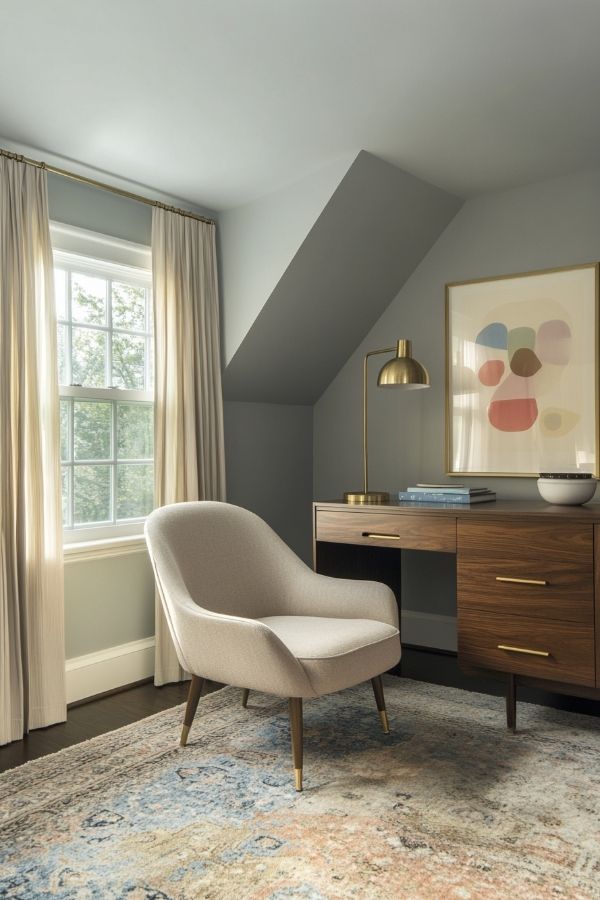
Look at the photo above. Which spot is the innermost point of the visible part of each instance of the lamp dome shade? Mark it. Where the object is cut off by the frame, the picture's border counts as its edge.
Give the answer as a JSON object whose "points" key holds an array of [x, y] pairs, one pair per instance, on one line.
{"points": [[403, 370]]}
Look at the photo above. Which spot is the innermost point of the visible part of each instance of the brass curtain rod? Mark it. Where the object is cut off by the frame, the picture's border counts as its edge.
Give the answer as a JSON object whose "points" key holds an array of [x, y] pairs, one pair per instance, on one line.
{"points": [[105, 187]]}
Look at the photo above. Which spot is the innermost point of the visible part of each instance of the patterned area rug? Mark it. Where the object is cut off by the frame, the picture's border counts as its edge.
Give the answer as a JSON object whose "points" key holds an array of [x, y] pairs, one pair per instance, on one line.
{"points": [[449, 805]]}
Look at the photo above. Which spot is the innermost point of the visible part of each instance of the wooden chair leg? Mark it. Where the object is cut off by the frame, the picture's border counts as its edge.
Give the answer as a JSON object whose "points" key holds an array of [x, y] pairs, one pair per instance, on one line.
{"points": [[192, 705], [380, 701], [297, 738], [245, 695], [511, 703]]}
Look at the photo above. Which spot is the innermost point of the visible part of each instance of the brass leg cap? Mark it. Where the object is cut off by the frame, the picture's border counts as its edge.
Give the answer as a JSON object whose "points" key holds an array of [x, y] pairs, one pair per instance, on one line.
{"points": [[384, 721], [184, 735], [298, 777]]}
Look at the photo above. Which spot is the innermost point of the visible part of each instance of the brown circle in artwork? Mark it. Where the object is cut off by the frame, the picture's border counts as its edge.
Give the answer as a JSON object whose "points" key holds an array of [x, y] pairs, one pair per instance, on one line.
{"points": [[525, 363]]}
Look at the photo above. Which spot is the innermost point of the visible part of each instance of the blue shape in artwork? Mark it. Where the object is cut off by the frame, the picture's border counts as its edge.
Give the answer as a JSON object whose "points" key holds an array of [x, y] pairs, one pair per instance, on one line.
{"points": [[494, 335]]}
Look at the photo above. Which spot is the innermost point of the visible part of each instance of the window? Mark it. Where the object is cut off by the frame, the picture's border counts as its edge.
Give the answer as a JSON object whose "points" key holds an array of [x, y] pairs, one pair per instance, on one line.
{"points": [[104, 312]]}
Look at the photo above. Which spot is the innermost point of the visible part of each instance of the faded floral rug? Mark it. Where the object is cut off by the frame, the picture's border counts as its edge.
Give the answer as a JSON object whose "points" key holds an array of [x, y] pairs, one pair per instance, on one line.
{"points": [[450, 805]]}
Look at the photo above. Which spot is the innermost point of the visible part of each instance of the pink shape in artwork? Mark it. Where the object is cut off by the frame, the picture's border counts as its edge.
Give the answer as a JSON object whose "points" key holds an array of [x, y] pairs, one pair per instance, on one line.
{"points": [[491, 372], [514, 387], [553, 343], [513, 415]]}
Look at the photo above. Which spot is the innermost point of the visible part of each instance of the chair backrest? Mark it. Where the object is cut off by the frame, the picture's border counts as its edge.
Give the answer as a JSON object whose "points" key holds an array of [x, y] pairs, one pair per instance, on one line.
{"points": [[225, 558]]}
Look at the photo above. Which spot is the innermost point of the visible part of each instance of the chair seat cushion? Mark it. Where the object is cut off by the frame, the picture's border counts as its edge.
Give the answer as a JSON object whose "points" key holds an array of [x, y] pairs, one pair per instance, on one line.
{"points": [[337, 653]]}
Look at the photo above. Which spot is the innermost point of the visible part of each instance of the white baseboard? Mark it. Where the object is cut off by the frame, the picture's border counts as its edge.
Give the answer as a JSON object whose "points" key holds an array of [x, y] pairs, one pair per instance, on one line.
{"points": [[428, 630], [107, 669]]}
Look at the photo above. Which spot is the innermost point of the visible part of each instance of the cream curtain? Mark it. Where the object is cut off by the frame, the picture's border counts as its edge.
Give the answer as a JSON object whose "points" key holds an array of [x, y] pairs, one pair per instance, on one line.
{"points": [[32, 657], [189, 453]]}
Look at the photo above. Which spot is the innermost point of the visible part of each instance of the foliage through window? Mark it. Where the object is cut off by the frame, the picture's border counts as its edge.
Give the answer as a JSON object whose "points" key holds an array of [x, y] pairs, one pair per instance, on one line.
{"points": [[106, 412]]}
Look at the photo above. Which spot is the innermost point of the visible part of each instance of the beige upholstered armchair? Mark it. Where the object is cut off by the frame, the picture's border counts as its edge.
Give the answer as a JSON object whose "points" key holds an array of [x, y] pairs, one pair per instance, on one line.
{"points": [[244, 610]]}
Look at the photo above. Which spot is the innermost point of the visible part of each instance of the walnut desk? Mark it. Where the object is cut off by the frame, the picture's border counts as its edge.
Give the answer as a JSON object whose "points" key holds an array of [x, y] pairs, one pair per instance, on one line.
{"points": [[527, 579]]}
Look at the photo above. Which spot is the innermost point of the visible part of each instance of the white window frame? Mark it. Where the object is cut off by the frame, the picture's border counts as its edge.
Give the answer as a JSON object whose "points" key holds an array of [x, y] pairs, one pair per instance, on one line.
{"points": [[106, 257]]}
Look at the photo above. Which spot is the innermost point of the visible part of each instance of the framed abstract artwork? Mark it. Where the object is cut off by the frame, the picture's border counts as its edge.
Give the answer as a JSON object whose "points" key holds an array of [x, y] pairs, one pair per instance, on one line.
{"points": [[522, 373]]}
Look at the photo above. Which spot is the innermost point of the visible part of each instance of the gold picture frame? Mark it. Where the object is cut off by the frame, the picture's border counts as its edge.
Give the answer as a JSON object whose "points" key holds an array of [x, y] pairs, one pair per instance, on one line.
{"points": [[522, 392]]}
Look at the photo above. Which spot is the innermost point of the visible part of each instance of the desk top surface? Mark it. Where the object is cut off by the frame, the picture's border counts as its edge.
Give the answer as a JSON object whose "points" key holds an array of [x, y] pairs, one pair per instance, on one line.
{"points": [[590, 512]]}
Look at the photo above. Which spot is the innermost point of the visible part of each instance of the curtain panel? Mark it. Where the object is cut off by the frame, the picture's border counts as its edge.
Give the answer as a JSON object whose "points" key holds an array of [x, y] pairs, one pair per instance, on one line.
{"points": [[189, 454], [32, 656]]}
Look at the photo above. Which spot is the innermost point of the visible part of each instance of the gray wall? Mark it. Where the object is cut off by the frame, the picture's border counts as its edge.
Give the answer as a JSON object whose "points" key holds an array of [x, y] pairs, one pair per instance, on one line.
{"points": [[268, 446], [99, 210], [268, 449], [108, 601], [87, 207], [551, 223]]}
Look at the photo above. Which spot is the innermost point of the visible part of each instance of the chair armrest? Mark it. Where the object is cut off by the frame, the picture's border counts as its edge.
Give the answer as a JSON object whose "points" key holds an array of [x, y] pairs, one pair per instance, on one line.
{"points": [[237, 651], [340, 598]]}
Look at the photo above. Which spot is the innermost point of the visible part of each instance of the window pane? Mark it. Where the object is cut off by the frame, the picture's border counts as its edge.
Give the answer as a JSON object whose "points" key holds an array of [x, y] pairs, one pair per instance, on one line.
{"points": [[92, 429], [63, 368], [91, 487], [135, 491], [135, 431], [60, 293], [88, 299], [128, 306], [65, 495], [89, 357], [64, 430], [128, 361]]}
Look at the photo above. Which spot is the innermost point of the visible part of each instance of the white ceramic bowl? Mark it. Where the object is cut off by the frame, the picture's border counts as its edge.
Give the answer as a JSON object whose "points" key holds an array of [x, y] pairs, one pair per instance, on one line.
{"points": [[567, 491]]}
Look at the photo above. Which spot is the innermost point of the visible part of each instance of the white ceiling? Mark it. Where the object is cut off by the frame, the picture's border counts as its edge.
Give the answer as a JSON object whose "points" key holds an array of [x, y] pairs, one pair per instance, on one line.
{"points": [[222, 101]]}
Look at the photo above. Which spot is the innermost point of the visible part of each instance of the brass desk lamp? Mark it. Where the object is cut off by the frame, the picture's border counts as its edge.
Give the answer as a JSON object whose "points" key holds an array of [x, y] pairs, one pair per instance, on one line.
{"points": [[402, 371]]}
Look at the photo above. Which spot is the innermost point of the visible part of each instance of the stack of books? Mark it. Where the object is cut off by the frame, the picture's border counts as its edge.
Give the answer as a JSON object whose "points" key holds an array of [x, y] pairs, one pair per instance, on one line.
{"points": [[446, 493]]}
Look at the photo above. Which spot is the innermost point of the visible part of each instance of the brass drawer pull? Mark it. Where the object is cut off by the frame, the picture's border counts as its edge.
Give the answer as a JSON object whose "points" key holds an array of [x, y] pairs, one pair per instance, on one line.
{"points": [[382, 537], [521, 580], [523, 650]]}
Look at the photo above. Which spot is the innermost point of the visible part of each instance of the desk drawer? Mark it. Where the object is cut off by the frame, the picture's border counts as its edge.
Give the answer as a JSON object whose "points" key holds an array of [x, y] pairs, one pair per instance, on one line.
{"points": [[386, 529], [538, 569], [567, 648]]}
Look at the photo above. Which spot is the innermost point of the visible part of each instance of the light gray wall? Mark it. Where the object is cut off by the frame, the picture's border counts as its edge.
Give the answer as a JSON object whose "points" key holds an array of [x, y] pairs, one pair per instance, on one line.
{"points": [[108, 601], [551, 223], [87, 207], [99, 210], [258, 242], [268, 448]]}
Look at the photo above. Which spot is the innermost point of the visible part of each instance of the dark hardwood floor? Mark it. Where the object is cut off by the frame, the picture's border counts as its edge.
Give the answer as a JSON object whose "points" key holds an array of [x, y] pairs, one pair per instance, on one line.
{"points": [[93, 718], [107, 713]]}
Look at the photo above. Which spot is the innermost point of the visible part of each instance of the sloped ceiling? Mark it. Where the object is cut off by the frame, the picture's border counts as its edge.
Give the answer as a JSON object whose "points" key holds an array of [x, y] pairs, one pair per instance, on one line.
{"points": [[259, 239], [368, 239]]}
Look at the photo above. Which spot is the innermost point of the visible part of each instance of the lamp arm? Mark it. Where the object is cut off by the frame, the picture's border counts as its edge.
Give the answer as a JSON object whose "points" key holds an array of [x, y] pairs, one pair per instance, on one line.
{"points": [[366, 412]]}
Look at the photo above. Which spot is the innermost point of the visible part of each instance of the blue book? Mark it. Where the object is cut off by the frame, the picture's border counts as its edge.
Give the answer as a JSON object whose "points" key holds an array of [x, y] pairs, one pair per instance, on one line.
{"points": [[445, 497]]}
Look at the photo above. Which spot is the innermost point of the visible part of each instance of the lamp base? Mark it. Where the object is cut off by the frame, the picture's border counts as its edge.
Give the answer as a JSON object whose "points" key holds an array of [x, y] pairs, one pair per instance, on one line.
{"points": [[366, 497]]}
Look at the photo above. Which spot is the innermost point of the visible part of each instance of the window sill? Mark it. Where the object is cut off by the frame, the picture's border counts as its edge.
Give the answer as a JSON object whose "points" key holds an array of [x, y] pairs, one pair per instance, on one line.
{"points": [[120, 546]]}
